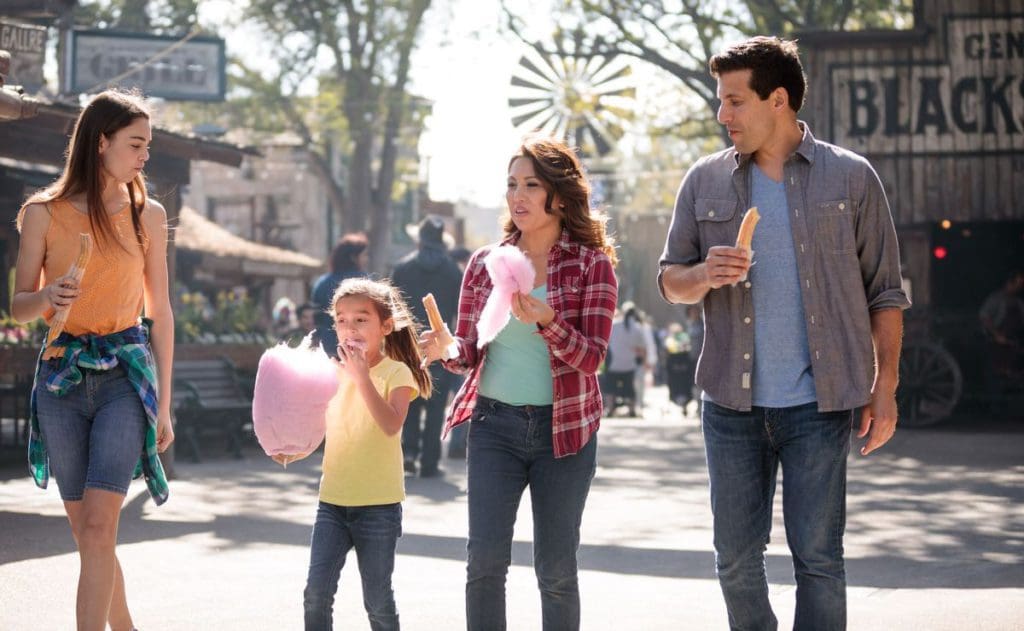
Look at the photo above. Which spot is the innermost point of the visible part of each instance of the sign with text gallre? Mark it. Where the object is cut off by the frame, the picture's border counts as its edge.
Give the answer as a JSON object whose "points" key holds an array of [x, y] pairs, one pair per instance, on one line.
{"points": [[173, 68]]}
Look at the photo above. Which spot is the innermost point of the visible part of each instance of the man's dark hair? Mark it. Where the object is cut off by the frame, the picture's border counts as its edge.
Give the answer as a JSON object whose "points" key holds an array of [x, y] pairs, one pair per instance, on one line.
{"points": [[306, 306], [773, 63], [346, 251]]}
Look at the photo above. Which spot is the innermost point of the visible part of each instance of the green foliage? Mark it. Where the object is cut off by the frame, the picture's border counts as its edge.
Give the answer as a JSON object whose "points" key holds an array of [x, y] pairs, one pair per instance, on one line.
{"points": [[162, 17]]}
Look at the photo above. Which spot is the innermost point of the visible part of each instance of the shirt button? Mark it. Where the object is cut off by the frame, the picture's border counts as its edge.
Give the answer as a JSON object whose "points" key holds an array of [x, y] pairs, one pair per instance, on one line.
{"points": [[747, 284], [746, 355], [842, 206], [711, 213], [746, 320]]}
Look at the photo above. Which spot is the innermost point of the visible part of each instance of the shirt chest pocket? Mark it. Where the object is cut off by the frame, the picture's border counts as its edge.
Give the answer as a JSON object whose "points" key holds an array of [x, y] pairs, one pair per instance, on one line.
{"points": [[834, 227], [570, 295], [718, 223]]}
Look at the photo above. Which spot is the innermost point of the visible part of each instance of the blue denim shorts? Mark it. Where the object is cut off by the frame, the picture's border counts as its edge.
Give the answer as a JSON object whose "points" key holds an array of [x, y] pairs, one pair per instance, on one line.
{"points": [[94, 434]]}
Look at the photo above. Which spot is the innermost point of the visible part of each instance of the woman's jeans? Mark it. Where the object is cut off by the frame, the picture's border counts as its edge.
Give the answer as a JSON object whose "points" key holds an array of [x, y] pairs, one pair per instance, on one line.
{"points": [[509, 449], [373, 531], [744, 450]]}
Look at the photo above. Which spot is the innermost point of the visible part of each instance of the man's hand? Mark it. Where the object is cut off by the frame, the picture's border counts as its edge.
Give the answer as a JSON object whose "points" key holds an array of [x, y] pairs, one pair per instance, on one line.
{"points": [[878, 419], [726, 265]]}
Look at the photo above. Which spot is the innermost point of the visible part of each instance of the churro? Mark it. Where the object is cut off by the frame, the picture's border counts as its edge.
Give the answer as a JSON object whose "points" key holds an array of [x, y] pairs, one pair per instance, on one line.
{"points": [[443, 335], [77, 270]]}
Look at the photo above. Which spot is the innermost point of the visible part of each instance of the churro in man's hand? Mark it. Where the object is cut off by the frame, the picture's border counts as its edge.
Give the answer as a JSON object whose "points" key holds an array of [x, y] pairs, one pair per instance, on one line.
{"points": [[746, 235], [443, 337]]}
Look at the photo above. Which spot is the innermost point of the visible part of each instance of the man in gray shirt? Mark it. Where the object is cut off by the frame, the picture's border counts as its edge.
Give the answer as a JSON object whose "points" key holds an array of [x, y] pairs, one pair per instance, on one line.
{"points": [[795, 343]]}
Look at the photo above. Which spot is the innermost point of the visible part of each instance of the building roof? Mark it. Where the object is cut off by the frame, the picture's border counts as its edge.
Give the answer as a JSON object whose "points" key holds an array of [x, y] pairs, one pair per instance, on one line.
{"points": [[196, 233]]}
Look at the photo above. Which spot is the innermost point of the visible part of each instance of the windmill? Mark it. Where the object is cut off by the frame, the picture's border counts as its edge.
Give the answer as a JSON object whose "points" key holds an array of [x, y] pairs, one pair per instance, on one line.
{"points": [[587, 101]]}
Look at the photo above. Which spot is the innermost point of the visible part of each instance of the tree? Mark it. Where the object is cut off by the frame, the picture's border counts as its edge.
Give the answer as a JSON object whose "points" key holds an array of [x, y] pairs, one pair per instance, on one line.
{"points": [[171, 17], [365, 49], [679, 37]]}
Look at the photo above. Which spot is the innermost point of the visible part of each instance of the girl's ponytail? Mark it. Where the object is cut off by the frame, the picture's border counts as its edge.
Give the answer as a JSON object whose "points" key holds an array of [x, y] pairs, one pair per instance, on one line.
{"points": [[402, 344]]}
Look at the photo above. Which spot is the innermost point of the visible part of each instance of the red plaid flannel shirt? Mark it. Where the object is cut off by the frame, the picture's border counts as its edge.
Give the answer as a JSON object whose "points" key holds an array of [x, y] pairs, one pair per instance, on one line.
{"points": [[583, 291]]}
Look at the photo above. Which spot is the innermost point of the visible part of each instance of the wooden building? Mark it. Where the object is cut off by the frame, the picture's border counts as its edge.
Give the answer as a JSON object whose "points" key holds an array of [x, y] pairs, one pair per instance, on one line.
{"points": [[939, 112]]}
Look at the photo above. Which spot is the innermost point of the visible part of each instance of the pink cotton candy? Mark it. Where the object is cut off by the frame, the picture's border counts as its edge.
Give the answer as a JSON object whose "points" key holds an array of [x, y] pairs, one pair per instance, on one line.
{"points": [[510, 271], [293, 388]]}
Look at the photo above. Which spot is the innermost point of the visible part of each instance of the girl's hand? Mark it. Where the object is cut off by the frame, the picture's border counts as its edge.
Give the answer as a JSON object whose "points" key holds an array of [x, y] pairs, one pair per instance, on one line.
{"points": [[286, 459], [164, 431], [530, 310], [62, 292], [353, 361]]}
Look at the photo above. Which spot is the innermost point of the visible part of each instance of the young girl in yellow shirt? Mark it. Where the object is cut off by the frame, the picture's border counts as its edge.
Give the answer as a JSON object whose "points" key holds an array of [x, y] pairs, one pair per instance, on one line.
{"points": [[363, 483]]}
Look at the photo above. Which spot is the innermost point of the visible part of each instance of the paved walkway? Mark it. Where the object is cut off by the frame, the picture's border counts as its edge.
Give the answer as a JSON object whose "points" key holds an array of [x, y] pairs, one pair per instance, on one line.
{"points": [[935, 540]]}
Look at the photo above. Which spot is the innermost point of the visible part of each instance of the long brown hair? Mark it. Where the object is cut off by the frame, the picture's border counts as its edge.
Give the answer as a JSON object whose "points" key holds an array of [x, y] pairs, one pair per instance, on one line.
{"points": [[106, 114], [402, 343], [561, 173]]}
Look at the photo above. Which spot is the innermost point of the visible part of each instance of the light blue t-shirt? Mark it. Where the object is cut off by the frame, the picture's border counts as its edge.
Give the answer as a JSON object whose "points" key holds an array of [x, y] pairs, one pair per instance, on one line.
{"points": [[517, 369], [782, 359]]}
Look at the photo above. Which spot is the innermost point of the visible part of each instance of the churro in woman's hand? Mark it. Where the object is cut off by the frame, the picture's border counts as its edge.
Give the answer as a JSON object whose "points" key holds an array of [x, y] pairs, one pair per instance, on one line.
{"points": [[76, 271], [444, 339]]}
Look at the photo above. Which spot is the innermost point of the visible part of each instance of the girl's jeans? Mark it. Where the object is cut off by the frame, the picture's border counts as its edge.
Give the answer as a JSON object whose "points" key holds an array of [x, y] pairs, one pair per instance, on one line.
{"points": [[373, 531]]}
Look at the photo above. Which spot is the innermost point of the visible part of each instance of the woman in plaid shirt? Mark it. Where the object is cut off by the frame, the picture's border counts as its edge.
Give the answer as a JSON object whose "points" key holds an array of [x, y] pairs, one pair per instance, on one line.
{"points": [[532, 392]]}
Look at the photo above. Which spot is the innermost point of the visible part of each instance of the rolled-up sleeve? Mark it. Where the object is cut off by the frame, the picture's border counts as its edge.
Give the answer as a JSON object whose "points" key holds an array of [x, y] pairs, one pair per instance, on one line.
{"points": [[878, 247]]}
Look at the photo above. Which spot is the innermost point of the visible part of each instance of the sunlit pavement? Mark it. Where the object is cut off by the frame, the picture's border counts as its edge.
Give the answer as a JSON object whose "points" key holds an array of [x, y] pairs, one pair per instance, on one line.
{"points": [[935, 540]]}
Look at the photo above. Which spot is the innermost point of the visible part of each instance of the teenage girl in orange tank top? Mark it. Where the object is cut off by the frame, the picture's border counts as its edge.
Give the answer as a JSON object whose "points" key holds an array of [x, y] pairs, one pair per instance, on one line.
{"points": [[92, 441]]}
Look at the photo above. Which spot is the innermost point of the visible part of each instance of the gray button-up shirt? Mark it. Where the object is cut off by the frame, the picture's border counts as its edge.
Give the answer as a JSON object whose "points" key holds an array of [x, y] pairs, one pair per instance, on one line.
{"points": [[847, 261]]}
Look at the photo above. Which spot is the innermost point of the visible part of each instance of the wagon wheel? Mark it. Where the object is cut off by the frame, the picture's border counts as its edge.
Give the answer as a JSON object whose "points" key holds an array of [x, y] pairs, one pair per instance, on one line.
{"points": [[930, 384]]}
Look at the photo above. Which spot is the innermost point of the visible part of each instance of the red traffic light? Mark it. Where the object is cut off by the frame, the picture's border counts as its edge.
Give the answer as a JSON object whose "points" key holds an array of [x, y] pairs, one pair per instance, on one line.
{"points": [[940, 252]]}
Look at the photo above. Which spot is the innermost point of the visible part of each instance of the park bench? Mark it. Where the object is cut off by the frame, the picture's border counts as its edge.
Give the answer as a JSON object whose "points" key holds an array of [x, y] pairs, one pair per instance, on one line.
{"points": [[210, 397]]}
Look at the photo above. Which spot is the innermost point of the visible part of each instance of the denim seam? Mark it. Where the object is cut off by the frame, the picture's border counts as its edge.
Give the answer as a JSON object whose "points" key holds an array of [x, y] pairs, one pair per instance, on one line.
{"points": [[103, 486]]}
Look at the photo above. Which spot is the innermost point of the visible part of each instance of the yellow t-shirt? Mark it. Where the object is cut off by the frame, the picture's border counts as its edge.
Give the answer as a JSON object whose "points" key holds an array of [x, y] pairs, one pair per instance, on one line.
{"points": [[362, 464]]}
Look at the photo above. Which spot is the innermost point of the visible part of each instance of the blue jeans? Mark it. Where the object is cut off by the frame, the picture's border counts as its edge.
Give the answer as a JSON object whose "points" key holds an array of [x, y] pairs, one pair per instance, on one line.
{"points": [[744, 450], [373, 531], [509, 449], [94, 434]]}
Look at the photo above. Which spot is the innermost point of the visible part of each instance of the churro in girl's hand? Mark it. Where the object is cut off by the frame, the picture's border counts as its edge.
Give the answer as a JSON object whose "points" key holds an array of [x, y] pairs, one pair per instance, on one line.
{"points": [[449, 349], [76, 271], [746, 235]]}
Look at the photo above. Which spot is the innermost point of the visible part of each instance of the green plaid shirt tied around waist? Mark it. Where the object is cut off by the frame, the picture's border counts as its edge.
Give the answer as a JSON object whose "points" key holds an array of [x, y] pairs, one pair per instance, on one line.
{"points": [[129, 348]]}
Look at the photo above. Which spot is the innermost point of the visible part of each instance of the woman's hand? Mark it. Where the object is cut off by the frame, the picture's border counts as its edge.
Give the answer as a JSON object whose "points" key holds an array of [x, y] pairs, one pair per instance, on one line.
{"points": [[164, 431], [62, 292], [430, 348], [530, 310]]}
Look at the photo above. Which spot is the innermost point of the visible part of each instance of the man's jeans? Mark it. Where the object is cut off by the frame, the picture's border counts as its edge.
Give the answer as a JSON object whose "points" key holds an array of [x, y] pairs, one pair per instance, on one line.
{"points": [[425, 443], [744, 450], [373, 531], [510, 448]]}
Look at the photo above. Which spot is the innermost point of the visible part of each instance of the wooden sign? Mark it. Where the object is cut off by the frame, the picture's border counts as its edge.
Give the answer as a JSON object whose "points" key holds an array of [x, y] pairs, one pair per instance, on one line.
{"points": [[968, 101]]}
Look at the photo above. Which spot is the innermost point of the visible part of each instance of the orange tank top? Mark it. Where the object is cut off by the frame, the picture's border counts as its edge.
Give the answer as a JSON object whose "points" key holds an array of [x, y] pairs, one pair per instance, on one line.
{"points": [[110, 299]]}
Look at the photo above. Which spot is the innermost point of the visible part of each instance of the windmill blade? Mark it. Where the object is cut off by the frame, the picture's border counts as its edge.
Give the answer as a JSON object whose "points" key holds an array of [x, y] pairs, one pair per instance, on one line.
{"points": [[522, 83], [548, 72], [521, 119], [546, 100]]}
